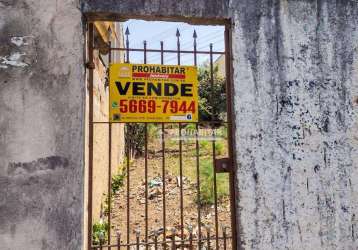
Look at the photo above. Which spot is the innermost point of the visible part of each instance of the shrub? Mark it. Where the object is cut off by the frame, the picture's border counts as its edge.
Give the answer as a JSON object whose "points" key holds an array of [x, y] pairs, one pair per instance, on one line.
{"points": [[118, 182], [209, 107], [100, 232]]}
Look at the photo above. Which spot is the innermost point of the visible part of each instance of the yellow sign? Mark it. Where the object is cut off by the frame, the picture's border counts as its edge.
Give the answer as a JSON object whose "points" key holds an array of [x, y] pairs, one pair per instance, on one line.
{"points": [[153, 93]]}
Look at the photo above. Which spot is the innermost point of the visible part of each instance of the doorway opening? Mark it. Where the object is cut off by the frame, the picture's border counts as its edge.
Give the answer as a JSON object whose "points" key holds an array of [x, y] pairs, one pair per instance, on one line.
{"points": [[161, 185]]}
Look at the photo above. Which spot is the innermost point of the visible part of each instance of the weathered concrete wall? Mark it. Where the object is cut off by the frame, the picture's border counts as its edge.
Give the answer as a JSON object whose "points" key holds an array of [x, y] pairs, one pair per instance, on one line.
{"points": [[296, 88], [41, 124]]}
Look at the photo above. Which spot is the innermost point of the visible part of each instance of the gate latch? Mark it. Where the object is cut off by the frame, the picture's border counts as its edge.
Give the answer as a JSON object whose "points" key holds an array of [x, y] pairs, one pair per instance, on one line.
{"points": [[222, 165]]}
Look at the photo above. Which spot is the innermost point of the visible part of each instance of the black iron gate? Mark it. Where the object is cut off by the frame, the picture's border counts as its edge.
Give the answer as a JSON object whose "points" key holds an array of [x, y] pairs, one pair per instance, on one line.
{"points": [[168, 236]]}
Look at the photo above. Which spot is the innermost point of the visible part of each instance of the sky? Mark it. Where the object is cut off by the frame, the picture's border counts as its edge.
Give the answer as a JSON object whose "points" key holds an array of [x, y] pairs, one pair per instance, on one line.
{"points": [[155, 31]]}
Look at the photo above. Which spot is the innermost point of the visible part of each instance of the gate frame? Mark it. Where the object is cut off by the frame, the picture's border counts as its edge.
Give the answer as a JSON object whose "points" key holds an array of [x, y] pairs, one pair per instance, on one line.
{"points": [[89, 19]]}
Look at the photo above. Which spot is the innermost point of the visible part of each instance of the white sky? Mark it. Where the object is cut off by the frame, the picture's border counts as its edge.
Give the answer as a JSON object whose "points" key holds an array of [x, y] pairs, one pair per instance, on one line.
{"points": [[155, 31]]}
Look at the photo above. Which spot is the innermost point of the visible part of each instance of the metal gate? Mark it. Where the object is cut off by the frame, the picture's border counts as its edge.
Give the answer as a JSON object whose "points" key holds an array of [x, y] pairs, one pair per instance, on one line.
{"points": [[182, 235]]}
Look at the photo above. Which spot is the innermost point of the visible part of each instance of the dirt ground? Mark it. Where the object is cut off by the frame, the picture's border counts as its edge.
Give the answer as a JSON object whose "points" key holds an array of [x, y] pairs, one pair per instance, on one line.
{"points": [[172, 199]]}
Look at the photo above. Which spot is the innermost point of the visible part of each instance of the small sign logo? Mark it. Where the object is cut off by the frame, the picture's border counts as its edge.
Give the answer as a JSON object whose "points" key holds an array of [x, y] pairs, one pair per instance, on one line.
{"points": [[124, 71]]}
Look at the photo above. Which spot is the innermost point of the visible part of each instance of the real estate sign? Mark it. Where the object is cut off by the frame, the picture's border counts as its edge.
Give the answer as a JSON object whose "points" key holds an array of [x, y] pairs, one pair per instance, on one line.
{"points": [[153, 93]]}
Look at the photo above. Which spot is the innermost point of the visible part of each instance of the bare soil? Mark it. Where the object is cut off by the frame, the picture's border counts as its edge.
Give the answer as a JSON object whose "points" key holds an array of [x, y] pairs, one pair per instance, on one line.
{"points": [[137, 199]]}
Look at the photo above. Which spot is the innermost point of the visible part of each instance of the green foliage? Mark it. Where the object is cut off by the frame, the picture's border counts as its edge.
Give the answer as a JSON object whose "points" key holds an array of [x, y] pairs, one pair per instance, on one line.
{"points": [[212, 99], [100, 232], [118, 181], [219, 147], [191, 126], [136, 137], [153, 131], [222, 132], [204, 147], [207, 194], [106, 204]]}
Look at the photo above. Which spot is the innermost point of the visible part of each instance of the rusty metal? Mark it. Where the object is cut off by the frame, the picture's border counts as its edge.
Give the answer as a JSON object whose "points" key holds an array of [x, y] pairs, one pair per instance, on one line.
{"points": [[180, 158], [208, 237], [90, 65], [223, 165], [166, 51], [155, 240], [213, 145], [146, 159], [118, 241], [173, 238], [109, 157], [163, 156], [231, 131], [90, 131], [190, 229], [128, 186], [224, 236], [137, 239], [127, 49]]}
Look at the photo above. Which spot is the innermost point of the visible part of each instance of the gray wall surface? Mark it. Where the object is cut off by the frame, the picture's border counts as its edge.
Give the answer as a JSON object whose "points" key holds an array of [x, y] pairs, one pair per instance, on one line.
{"points": [[41, 125], [296, 109]]}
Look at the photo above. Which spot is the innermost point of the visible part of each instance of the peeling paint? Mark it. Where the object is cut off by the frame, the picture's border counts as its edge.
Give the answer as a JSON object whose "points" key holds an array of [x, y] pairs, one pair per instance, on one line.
{"points": [[14, 60], [20, 40]]}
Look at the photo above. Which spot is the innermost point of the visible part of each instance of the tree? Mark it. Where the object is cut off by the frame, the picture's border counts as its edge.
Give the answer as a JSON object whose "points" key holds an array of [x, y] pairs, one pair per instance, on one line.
{"points": [[212, 99]]}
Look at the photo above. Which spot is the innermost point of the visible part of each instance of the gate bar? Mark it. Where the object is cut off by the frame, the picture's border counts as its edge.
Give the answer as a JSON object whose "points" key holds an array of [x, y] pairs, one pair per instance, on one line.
{"points": [[146, 159], [90, 67], [180, 159], [213, 145], [163, 158], [197, 157], [128, 182], [109, 197], [235, 235], [129, 140]]}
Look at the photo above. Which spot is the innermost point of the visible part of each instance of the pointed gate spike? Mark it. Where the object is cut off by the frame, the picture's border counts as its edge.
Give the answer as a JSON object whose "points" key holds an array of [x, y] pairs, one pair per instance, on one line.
{"points": [[194, 34], [127, 31], [178, 33]]}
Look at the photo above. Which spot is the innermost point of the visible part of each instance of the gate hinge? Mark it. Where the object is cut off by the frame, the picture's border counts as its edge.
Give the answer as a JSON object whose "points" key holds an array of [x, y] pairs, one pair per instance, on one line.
{"points": [[90, 65], [222, 165]]}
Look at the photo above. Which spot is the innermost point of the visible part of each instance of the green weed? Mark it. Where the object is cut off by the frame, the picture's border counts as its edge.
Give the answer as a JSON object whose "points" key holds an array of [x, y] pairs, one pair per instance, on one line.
{"points": [[100, 232], [207, 194]]}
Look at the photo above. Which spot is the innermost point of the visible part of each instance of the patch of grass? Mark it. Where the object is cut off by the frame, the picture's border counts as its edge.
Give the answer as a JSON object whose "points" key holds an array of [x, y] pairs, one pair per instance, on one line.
{"points": [[219, 147], [207, 194], [100, 232], [205, 147]]}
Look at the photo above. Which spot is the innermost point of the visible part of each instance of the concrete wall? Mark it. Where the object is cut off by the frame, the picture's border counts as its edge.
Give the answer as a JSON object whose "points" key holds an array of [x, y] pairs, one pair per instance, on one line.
{"points": [[296, 109], [41, 124], [296, 90]]}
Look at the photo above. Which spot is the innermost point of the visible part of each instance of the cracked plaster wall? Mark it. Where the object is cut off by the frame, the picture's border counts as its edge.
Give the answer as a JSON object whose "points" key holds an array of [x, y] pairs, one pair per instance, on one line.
{"points": [[41, 125]]}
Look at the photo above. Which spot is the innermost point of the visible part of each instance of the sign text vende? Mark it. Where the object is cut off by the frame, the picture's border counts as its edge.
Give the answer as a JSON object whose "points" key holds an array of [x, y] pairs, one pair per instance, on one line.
{"points": [[153, 93]]}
